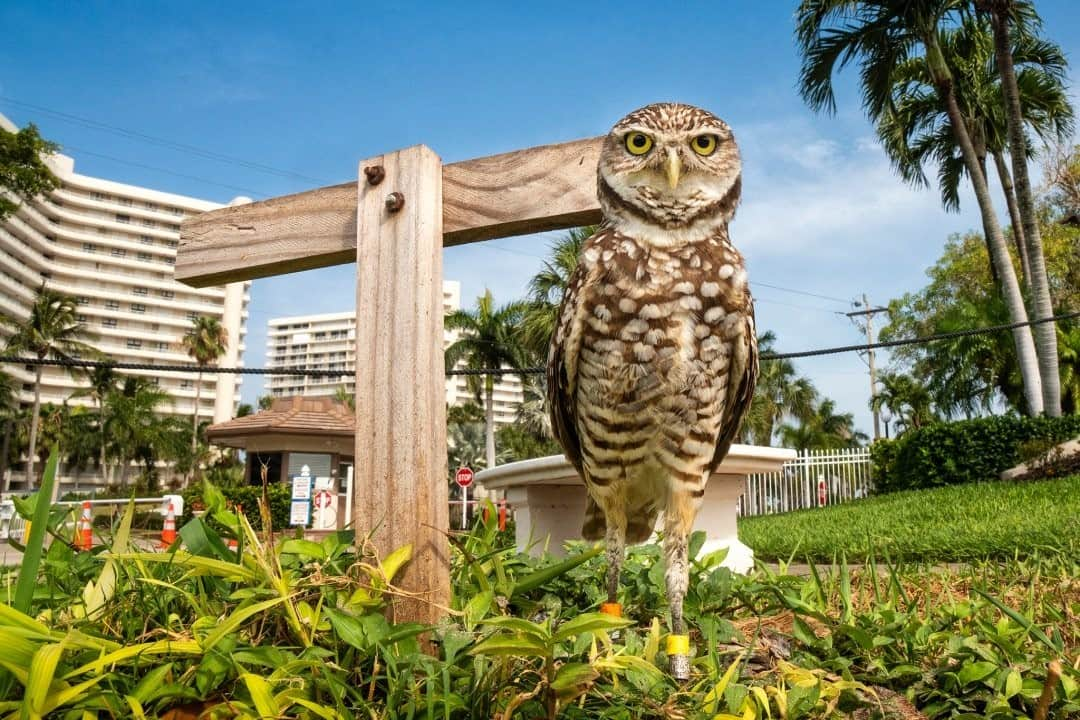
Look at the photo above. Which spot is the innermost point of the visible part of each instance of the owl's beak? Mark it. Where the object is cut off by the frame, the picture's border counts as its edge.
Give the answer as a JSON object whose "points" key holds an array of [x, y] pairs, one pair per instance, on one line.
{"points": [[673, 167]]}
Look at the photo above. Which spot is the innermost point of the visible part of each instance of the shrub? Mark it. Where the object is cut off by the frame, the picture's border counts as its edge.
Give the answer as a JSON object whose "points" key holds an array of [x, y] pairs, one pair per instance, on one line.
{"points": [[248, 496], [962, 452]]}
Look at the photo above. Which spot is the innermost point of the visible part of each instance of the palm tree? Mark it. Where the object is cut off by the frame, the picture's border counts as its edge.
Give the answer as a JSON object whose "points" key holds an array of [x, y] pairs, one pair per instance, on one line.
{"points": [[135, 429], [917, 130], [9, 406], [546, 291], [52, 331], [487, 337], [1003, 14], [825, 429], [1069, 344], [780, 393], [881, 34], [72, 431], [205, 342], [906, 399], [343, 396], [532, 413], [102, 380]]}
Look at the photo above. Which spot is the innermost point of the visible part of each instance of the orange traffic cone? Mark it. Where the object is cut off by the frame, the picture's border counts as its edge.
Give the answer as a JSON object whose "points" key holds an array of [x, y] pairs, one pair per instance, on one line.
{"points": [[85, 528], [168, 530]]}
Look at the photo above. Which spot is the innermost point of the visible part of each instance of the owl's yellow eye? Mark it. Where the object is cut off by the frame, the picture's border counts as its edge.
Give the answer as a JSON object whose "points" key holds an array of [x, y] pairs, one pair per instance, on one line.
{"points": [[704, 144], [638, 143]]}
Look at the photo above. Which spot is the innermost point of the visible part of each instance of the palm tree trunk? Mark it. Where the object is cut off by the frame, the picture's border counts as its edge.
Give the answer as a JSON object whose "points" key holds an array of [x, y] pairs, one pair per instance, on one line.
{"points": [[195, 429], [489, 421], [1014, 215], [5, 450], [1046, 333], [1010, 288], [981, 155], [101, 427], [195, 417], [35, 420]]}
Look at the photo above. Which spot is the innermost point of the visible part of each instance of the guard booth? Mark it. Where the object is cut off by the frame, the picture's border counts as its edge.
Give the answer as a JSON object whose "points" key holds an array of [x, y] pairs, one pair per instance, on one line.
{"points": [[299, 437]]}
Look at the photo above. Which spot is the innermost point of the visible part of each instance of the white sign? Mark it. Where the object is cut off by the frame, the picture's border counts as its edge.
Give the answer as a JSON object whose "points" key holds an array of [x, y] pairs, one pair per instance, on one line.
{"points": [[299, 512], [301, 487]]}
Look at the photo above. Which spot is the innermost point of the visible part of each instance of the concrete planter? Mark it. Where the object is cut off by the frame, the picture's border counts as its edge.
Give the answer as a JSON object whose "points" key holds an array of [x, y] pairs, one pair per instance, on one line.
{"points": [[548, 499]]}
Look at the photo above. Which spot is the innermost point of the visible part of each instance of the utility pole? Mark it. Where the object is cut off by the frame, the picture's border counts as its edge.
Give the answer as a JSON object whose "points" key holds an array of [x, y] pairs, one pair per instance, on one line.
{"points": [[869, 312]]}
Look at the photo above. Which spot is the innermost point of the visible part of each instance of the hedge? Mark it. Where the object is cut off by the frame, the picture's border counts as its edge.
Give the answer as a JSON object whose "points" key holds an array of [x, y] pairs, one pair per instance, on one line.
{"points": [[248, 496], [963, 452]]}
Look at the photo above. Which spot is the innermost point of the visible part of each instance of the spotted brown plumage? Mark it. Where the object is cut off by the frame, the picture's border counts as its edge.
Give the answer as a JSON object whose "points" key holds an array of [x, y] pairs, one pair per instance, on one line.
{"points": [[654, 358]]}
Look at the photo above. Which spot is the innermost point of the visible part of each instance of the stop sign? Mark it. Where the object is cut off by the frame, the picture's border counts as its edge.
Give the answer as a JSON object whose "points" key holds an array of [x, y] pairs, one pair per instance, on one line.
{"points": [[463, 477]]}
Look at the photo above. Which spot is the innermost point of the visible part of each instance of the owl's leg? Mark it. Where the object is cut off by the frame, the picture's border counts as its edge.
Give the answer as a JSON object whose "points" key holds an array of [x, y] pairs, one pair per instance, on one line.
{"points": [[678, 521], [615, 539]]}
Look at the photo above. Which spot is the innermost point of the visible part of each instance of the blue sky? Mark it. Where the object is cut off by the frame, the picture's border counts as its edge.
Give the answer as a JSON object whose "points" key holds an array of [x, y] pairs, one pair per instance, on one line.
{"points": [[312, 88]]}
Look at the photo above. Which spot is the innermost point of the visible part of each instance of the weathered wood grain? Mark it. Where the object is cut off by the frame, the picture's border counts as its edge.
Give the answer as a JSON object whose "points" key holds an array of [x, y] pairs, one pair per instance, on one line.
{"points": [[541, 188], [400, 469]]}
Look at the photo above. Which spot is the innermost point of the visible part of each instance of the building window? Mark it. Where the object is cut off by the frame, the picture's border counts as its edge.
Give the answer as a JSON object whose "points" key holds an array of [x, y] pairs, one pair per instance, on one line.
{"points": [[89, 247], [168, 294], [112, 304], [138, 308], [146, 257], [99, 196], [80, 318], [172, 243], [119, 252], [170, 261], [140, 291], [148, 223], [134, 343], [125, 201], [186, 384], [193, 316], [124, 219], [151, 206], [146, 240], [82, 300], [108, 322], [163, 346]]}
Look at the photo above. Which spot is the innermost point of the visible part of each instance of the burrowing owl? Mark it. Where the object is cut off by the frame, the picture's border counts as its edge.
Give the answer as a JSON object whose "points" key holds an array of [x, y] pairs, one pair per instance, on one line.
{"points": [[654, 359]]}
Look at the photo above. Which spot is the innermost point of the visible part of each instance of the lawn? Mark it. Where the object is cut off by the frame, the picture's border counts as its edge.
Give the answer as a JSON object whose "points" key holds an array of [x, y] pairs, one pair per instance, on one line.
{"points": [[962, 522]]}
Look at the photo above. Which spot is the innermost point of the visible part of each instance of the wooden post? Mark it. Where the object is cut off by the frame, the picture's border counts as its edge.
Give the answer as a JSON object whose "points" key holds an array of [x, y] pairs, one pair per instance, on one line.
{"points": [[400, 466]]}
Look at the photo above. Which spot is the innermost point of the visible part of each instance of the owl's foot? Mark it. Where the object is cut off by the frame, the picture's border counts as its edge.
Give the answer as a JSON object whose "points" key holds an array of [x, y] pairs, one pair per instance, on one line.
{"points": [[678, 652]]}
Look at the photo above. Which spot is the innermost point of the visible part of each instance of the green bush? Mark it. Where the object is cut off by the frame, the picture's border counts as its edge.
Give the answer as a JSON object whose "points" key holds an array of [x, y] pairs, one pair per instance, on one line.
{"points": [[248, 496], [962, 452]]}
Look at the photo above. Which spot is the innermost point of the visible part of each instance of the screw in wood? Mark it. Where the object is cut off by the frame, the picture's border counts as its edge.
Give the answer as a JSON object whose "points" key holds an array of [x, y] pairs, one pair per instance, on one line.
{"points": [[375, 174], [395, 201]]}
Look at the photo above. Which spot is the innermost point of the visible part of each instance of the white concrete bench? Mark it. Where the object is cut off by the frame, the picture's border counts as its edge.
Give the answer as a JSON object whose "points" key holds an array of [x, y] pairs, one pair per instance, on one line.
{"points": [[548, 499]]}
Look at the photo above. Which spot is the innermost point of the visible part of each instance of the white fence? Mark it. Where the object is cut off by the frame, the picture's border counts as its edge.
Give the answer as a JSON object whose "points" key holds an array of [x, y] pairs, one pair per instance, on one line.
{"points": [[813, 479]]}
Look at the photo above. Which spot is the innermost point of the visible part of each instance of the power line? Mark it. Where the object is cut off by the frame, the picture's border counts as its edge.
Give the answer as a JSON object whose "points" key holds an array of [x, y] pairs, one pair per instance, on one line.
{"points": [[801, 292], [163, 142], [313, 372], [196, 178]]}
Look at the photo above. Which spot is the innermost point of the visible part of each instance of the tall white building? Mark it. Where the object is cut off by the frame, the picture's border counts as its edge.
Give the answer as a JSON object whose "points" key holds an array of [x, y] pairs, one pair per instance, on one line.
{"points": [[113, 247], [328, 342]]}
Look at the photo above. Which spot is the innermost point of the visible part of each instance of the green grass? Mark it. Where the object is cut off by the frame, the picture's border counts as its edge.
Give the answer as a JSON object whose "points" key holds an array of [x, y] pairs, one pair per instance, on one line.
{"points": [[962, 522]]}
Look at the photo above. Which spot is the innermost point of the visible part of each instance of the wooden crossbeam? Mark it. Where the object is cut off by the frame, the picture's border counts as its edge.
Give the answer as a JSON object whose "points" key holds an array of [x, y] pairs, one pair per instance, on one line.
{"points": [[548, 187]]}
